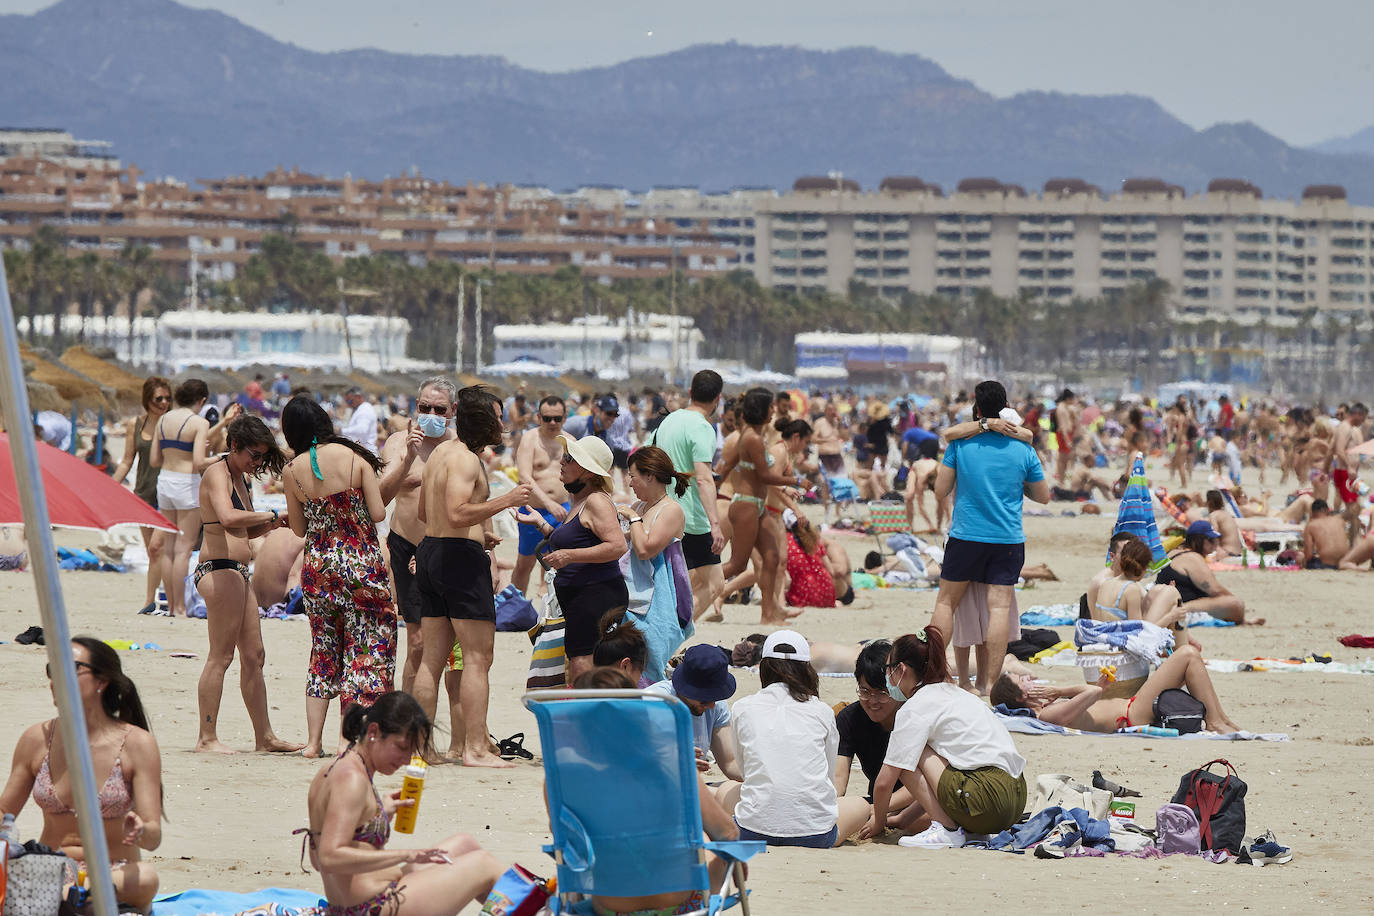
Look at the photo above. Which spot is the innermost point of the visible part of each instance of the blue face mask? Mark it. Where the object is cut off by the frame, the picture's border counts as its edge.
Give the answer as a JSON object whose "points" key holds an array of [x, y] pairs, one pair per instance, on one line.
{"points": [[432, 425], [895, 692]]}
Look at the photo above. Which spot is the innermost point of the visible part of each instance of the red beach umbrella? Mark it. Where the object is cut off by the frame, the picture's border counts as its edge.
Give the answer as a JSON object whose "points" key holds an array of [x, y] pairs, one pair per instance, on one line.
{"points": [[79, 496]]}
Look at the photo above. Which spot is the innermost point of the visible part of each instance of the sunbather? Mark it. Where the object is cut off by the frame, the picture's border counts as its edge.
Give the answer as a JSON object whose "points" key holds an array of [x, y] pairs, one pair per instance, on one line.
{"points": [[1083, 707], [116, 728], [350, 823], [1122, 597], [1198, 588]]}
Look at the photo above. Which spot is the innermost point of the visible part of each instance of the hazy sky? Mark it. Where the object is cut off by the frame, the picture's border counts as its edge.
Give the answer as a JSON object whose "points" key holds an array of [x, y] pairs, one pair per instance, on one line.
{"points": [[1302, 70]]}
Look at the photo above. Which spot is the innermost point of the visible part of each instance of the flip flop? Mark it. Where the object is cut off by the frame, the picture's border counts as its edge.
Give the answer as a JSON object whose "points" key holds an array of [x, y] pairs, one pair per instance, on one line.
{"points": [[513, 747]]}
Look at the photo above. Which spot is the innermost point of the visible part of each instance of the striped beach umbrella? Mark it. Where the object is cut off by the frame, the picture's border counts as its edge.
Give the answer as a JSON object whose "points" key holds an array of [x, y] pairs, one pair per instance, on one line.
{"points": [[1136, 513]]}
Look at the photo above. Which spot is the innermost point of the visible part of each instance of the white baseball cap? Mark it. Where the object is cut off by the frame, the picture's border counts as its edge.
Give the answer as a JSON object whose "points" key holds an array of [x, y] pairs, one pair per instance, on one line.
{"points": [[800, 650]]}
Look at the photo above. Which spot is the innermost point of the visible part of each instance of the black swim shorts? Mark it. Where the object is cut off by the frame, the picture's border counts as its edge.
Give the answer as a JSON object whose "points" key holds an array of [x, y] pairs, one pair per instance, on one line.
{"points": [[976, 561], [697, 552], [454, 575], [407, 586]]}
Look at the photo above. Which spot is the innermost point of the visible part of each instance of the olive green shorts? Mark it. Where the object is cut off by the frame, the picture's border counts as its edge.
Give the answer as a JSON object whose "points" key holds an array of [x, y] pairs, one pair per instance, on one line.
{"points": [[985, 800]]}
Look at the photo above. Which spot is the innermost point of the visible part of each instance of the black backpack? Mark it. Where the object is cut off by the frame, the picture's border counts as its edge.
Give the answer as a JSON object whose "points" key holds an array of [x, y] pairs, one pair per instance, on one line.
{"points": [[1219, 802], [1178, 709]]}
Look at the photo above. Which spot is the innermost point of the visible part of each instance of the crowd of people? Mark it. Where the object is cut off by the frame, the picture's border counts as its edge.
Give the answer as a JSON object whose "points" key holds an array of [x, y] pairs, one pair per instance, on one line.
{"points": [[643, 516]]}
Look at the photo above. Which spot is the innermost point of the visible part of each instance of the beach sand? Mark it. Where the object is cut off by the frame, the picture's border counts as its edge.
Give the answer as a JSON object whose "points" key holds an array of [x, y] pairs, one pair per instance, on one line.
{"points": [[230, 819]]}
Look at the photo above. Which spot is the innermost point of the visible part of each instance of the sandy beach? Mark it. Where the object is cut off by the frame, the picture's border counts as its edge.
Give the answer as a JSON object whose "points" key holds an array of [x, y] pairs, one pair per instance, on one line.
{"points": [[230, 819]]}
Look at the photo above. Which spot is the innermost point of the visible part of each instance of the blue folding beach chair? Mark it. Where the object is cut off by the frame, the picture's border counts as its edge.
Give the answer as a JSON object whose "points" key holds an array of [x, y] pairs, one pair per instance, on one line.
{"points": [[621, 777]]}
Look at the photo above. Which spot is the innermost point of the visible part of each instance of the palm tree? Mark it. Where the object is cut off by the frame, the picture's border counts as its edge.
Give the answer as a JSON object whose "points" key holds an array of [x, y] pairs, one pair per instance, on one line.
{"points": [[19, 273], [139, 271]]}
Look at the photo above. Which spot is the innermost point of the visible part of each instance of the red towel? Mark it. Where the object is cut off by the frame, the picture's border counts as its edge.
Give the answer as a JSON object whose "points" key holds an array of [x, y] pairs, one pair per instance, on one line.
{"points": [[1358, 642]]}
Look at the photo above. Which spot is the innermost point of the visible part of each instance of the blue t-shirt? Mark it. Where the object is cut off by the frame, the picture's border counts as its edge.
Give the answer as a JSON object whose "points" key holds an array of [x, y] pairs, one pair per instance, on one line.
{"points": [[912, 439], [990, 473], [704, 726]]}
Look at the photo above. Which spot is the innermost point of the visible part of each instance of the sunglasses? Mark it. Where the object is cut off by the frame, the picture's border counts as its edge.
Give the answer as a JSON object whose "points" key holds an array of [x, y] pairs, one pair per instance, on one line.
{"points": [[547, 419], [567, 459], [164, 399], [257, 457], [47, 669], [430, 408]]}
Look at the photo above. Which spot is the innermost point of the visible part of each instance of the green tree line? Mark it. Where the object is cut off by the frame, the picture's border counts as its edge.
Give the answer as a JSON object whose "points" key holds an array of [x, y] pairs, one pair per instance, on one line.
{"points": [[1132, 336]]}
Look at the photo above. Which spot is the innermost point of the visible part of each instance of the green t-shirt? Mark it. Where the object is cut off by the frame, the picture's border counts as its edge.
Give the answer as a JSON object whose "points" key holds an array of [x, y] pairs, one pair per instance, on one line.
{"points": [[688, 437]]}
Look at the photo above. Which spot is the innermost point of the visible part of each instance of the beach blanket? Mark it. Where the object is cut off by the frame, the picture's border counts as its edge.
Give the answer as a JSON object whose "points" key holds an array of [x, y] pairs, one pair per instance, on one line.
{"points": [[1051, 615], [1230, 666], [1204, 619], [1027, 725], [276, 901]]}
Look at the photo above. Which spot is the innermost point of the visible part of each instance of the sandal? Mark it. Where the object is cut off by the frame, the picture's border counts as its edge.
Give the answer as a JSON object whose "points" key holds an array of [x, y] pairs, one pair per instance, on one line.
{"points": [[513, 747]]}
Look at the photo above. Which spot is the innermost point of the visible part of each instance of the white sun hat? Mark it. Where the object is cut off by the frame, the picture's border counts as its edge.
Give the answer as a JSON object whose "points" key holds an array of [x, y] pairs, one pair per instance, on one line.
{"points": [[589, 452]]}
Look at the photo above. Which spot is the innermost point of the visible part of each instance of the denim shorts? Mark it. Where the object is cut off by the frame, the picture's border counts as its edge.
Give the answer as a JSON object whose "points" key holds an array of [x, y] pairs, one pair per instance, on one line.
{"points": [[814, 841]]}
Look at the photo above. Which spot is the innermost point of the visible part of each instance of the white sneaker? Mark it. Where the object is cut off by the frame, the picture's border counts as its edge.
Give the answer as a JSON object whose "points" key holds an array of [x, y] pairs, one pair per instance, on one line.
{"points": [[934, 837]]}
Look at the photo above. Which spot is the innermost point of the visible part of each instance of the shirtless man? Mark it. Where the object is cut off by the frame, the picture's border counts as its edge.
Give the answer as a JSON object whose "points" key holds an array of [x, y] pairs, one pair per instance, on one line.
{"points": [[453, 569], [405, 454], [1324, 543], [1177, 426], [919, 479], [538, 458], [826, 436], [1065, 431], [1345, 466], [1223, 521]]}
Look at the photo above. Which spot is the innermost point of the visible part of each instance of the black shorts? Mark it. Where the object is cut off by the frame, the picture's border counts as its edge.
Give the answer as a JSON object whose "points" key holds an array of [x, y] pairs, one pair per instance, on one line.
{"points": [[620, 458], [697, 552], [833, 464], [407, 587], [454, 576], [975, 561], [583, 607]]}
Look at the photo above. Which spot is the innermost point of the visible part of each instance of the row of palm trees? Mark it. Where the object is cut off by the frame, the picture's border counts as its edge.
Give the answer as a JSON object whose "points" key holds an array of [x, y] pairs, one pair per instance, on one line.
{"points": [[1132, 336]]}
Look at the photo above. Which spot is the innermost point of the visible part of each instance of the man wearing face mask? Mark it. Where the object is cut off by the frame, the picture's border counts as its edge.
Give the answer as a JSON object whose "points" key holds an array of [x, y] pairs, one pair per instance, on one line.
{"points": [[405, 454], [538, 458]]}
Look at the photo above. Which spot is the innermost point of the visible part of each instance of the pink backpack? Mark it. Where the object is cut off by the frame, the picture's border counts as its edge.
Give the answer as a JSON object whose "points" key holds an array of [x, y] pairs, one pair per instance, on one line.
{"points": [[1176, 830]]}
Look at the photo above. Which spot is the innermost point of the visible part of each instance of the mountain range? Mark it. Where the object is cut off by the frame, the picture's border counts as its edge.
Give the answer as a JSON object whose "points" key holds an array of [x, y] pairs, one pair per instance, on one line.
{"points": [[194, 93]]}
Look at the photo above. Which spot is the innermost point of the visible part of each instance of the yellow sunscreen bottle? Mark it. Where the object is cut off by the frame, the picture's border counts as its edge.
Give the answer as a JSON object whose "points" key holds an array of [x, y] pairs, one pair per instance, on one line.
{"points": [[412, 787]]}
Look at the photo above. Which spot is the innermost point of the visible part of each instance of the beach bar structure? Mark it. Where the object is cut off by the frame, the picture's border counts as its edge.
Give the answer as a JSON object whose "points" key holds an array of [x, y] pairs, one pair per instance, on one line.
{"points": [[886, 359], [649, 341]]}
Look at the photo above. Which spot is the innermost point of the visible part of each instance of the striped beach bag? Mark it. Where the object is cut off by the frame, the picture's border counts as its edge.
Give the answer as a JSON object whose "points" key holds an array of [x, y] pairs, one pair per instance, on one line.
{"points": [[547, 660]]}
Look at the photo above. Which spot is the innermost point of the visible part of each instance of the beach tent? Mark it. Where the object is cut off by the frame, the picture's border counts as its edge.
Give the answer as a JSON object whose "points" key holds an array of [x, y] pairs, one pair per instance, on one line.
{"points": [[1136, 513], [14, 402]]}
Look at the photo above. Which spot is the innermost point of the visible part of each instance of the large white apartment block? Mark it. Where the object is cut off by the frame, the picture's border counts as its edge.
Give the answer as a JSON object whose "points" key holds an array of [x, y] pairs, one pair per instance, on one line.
{"points": [[1228, 253]]}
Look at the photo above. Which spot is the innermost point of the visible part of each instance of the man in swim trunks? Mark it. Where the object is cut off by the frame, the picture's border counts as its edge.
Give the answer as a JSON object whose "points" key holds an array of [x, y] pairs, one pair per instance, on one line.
{"points": [[1345, 465], [1323, 539], [538, 459], [1065, 431], [453, 570], [405, 454]]}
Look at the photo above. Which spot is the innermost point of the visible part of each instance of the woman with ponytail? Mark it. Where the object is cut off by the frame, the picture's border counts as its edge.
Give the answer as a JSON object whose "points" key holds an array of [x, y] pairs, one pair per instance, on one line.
{"points": [[350, 823], [116, 729], [660, 590], [334, 501], [947, 748]]}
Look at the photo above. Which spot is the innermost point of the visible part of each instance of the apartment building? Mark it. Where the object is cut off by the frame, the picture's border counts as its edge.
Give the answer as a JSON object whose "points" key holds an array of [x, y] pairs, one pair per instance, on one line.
{"points": [[1229, 252], [56, 146], [100, 207]]}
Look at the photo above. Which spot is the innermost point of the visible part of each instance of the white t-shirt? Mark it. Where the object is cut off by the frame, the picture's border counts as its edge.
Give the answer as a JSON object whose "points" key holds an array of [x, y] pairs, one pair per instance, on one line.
{"points": [[362, 427], [787, 754], [958, 726]]}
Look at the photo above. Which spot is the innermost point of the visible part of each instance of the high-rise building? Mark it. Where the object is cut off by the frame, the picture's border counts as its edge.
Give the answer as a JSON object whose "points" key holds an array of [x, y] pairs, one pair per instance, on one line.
{"points": [[1228, 253]]}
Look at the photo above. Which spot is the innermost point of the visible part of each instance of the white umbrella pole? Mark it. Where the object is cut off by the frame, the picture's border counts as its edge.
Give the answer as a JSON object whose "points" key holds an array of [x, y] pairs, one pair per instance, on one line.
{"points": [[14, 401]]}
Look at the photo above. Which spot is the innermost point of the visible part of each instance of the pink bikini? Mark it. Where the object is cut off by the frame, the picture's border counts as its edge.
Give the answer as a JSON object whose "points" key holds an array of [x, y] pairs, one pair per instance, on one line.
{"points": [[115, 798]]}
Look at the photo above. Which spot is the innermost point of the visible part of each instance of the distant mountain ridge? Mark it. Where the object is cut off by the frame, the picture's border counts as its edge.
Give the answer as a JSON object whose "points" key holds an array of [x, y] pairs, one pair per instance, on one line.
{"points": [[195, 93]]}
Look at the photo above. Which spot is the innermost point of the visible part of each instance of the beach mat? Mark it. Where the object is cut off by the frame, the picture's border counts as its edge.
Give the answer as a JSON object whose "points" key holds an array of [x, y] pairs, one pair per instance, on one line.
{"points": [[1027, 725], [276, 901]]}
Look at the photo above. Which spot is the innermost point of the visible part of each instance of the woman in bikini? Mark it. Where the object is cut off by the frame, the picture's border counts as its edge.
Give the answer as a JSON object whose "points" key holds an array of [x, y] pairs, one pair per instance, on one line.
{"points": [[350, 823], [1127, 596], [121, 746], [231, 609], [1198, 588], [333, 500], [754, 473], [1083, 707], [138, 443], [180, 452]]}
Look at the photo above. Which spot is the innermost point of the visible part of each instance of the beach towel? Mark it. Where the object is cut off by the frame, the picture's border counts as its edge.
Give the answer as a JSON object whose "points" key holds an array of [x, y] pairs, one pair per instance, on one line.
{"points": [[1136, 515], [660, 604], [1024, 725], [1137, 637], [275, 901], [1054, 615], [548, 659], [842, 489]]}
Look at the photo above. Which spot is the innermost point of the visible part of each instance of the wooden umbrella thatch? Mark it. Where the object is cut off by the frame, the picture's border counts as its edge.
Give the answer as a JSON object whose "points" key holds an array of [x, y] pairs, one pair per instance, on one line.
{"points": [[372, 385], [128, 388], [70, 386], [43, 396], [580, 385], [218, 380]]}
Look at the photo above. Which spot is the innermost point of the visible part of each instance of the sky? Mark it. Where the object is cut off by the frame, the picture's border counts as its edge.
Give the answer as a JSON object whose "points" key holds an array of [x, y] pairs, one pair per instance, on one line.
{"points": [[1292, 68]]}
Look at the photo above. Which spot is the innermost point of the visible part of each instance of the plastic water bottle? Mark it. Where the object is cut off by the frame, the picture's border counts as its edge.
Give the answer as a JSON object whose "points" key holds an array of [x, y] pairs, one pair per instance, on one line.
{"points": [[412, 787], [1261, 557], [1152, 730]]}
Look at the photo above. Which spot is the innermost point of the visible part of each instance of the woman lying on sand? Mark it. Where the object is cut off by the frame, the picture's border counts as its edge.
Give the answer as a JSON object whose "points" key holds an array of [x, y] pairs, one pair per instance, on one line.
{"points": [[1082, 707]]}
